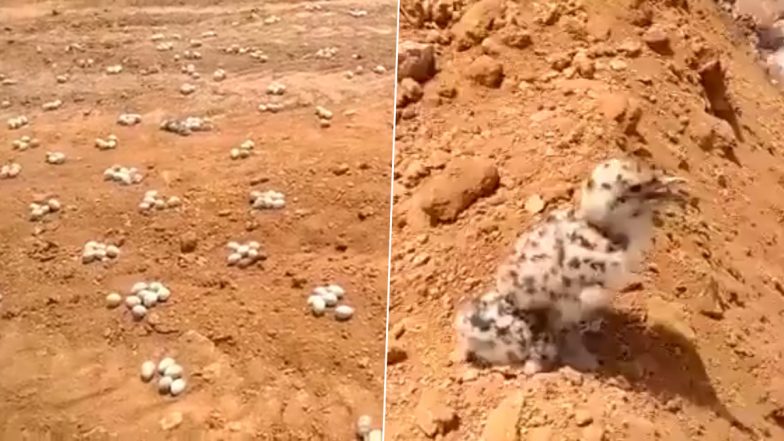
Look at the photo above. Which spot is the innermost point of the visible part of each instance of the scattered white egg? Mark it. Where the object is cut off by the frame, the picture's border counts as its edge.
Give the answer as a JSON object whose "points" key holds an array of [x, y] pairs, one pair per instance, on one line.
{"points": [[138, 312], [52, 105], [357, 13], [191, 55], [157, 37], [113, 300], [164, 46], [177, 386], [267, 200], [344, 312], [219, 75], [129, 119], [164, 385], [147, 371], [17, 122], [323, 113], [208, 34], [364, 424], [55, 158], [110, 143], [379, 69], [174, 371], [62, 79], [271, 107], [317, 305], [272, 19], [187, 89], [164, 364]]}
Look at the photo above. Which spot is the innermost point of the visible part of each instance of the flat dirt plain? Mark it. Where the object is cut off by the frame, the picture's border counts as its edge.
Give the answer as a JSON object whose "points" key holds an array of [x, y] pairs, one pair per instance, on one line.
{"points": [[258, 364], [538, 92]]}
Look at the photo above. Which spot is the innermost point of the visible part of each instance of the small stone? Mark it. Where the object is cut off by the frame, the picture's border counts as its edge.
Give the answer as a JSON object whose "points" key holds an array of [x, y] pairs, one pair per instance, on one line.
{"points": [[416, 61], [433, 416], [188, 242], [396, 354], [410, 91], [501, 422], [171, 421], [460, 185], [593, 432], [113, 300], [582, 418], [657, 39], [486, 71]]}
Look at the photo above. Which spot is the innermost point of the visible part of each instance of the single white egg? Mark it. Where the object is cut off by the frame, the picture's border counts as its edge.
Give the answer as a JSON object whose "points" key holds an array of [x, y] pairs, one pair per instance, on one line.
{"points": [[113, 300], [317, 305], [139, 311], [337, 290], [164, 385], [344, 312], [234, 258], [177, 386], [364, 425], [138, 286], [147, 371], [174, 371], [330, 299], [132, 301]]}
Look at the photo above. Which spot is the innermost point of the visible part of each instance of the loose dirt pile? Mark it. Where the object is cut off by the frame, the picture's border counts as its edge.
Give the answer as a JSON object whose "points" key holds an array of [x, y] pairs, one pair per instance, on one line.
{"points": [[258, 365], [503, 108]]}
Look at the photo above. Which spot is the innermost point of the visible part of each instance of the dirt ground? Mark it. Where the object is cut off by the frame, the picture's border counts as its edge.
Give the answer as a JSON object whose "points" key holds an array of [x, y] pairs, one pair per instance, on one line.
{"points": [[693, 351], [258, 364]]}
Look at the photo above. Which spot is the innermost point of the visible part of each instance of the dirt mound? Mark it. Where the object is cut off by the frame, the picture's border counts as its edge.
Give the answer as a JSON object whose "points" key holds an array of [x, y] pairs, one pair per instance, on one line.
{"points": [[257, 363], [543, 90]]}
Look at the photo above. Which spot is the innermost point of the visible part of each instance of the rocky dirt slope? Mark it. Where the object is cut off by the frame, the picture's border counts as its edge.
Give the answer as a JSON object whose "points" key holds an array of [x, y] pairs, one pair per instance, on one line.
{"points": [[524, 98], [258, 364]]}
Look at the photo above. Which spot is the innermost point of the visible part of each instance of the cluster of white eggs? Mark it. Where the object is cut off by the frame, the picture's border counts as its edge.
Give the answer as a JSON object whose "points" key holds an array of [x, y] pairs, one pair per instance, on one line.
{"points": [[243, 151], [123, 175], [18, 122], [129, 119], [11, 170], [114, 69], [98, 251], [328, 296], [244, 255], [186, 126], [110, 143], [39, 210], [144, 295], [52, 105], [265, 200], [24, 143], [170, 381], [55, 158], [327, 52], [270, 107], [164, 46], [153, 200], [324, 116], [189, 55], [276, 88]]}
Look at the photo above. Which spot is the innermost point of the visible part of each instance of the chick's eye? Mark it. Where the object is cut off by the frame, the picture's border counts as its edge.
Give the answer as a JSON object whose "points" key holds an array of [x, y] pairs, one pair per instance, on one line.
{"points": [[635, 188]]}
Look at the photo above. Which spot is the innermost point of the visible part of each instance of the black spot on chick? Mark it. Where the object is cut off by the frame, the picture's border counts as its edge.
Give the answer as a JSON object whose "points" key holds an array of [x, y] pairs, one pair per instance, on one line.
{"points": [[574, 263], [481, 323], [560, 252], [636, 188], [566, 281], [590, 184], [606, 186], [529, 281]]}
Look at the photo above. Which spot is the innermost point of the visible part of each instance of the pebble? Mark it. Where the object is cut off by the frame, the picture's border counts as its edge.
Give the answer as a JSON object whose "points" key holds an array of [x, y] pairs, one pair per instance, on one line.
{"points": [[114, 69], [323, 113], [267, 200], [219, 75], [243, 151], [326, 53], [364, 425], [52, 105], [171, 421], [187, 89], [276, 88]]}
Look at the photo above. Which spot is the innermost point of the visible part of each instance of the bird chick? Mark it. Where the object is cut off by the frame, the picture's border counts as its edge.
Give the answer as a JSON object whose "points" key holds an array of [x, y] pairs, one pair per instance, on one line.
{"points": [[566, 269], [491, 331]]}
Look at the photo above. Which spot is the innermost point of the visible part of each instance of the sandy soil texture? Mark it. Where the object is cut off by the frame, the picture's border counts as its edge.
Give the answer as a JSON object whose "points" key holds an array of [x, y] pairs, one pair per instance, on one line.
{"points": [[257, 363], [536, 93]]}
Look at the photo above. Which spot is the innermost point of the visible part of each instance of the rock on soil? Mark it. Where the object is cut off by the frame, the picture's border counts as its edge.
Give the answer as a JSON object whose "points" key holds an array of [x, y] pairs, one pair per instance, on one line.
{"points": [[502, 422], [657, 39], [475, 24], [486, 71], [416, 61], [621, 109], [433, 416], [710, 133], [463, 182]]}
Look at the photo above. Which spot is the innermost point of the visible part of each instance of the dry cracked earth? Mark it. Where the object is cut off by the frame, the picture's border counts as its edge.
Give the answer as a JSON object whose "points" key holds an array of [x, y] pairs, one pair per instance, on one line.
{"points": [[503, 107], [258, 365]]}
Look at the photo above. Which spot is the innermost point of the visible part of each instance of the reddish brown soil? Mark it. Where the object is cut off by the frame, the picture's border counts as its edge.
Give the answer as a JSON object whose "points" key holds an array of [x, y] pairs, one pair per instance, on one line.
{"points": [[259, 365], [678, 363]]}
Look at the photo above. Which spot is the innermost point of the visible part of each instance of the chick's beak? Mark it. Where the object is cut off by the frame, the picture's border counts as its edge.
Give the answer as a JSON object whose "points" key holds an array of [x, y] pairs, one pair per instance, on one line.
{"points": [[663, 188]]}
